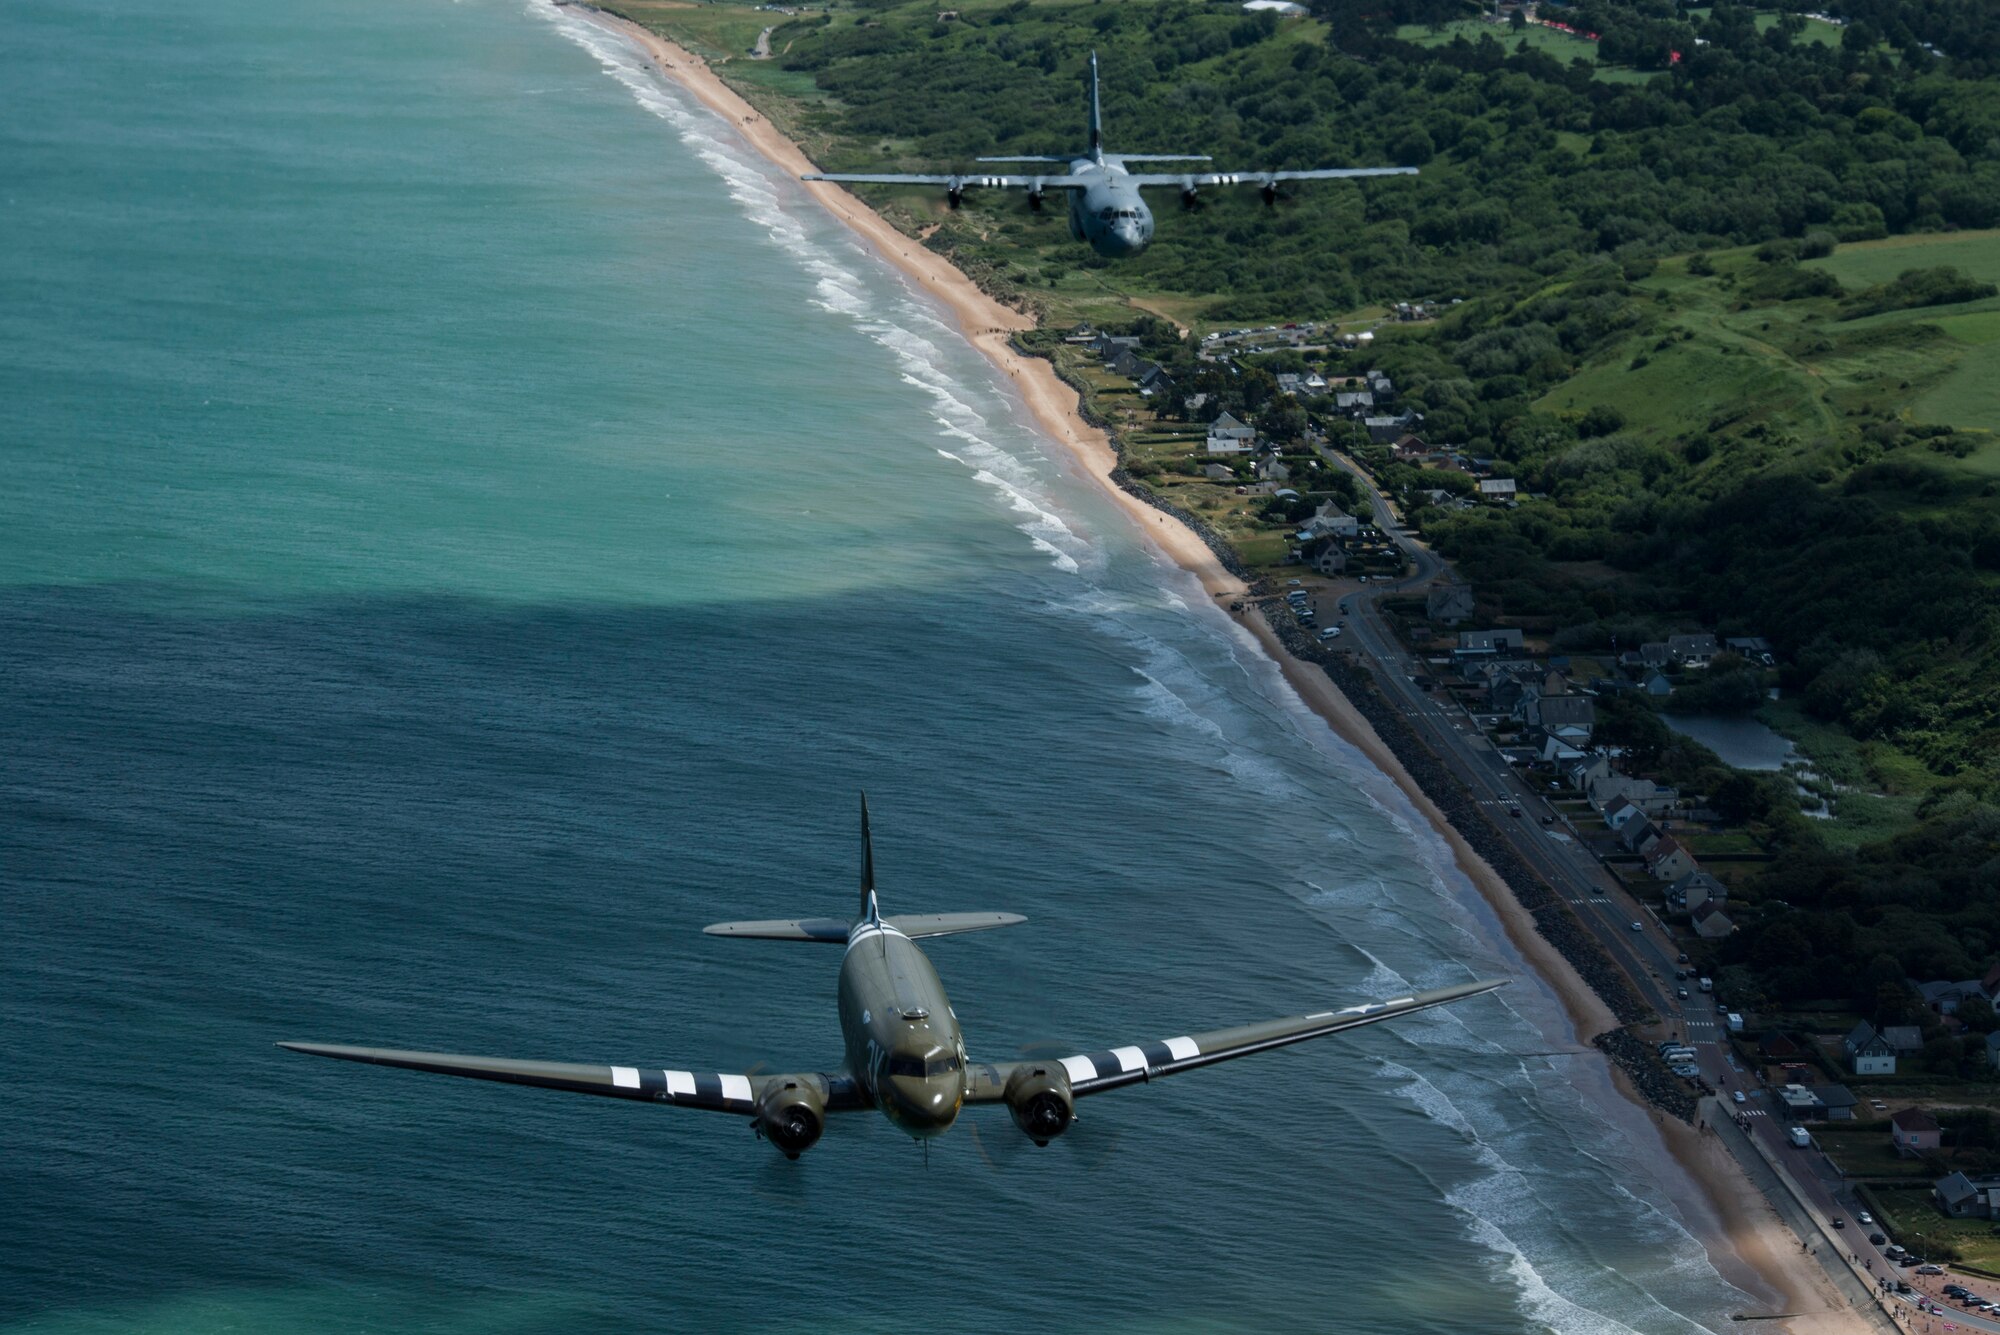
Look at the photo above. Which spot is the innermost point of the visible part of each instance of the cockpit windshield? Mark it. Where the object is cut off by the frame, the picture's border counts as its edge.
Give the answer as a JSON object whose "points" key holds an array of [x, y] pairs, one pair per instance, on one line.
{"points": [[936, 1063]]}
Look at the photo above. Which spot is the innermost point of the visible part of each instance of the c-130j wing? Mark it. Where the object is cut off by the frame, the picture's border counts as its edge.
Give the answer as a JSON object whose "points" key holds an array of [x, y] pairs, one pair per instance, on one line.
{"points": [[1105, 209], [905, 1054]]}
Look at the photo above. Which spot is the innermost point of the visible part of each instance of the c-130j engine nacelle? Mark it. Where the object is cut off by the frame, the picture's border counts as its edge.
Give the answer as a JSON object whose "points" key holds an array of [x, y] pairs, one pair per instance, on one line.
{"points": [[791, 1116], [1039, 1099]]}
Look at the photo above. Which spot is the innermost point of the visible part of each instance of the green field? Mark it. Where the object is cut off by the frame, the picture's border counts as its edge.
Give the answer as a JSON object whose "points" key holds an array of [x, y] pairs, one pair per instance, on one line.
{"points": [[1558, 45], [1866, 263]]}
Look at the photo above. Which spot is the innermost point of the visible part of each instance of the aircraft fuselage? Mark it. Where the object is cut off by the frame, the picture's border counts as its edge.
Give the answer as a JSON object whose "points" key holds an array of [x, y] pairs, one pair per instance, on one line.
{"points": [[903, 1042], [1108, 214]]}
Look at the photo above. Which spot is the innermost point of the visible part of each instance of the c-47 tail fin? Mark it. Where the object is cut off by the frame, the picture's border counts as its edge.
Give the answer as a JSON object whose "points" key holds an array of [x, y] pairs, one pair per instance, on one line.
{"points": [[869, 913]]}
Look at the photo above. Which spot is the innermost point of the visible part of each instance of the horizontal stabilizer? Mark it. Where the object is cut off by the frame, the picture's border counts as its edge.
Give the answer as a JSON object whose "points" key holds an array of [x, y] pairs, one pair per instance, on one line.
{"points": [[831, 930], [950, 924]]}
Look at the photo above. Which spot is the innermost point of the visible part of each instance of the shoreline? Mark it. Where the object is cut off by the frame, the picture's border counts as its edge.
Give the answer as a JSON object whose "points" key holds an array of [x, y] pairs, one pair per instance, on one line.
{"points": [[1750, 1246]]}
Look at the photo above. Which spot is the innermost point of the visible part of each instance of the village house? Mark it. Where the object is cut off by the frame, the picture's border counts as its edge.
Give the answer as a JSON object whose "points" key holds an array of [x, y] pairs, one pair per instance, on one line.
{"points": [[1753, 647], [1449, 603], [1218, 472], [1668, 861], [1384, 430], [1409, 448], [1570, 716], [1080, 334], [1692, 651], [1355, 403], [1695, 891], [1227, 435], [1155, 380], [1109, 346], [1869, 1053], [1712, 924], [1327, 557], [1913, 1131], [1329, 521], [1501, 641], [1644, 794], [1639, 836], [1993, 1048], [1944, 998], [1656, 685], [1496, 489], [1964, 1197], [1272, 469]]}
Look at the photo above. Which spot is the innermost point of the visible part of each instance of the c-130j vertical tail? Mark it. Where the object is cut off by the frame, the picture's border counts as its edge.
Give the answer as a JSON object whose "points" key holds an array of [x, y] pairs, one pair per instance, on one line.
{"points": [[835, 931], [1096, 115]]}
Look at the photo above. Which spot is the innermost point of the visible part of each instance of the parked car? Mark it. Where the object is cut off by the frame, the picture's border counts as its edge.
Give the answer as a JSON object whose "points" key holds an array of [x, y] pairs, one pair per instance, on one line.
{"points": [[1687, 1072], [1930, 1270], [1682, 957], [1877, 1238]]}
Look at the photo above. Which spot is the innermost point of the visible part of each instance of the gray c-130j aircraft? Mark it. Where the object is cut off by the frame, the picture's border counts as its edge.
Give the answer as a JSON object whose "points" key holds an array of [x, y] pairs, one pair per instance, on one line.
{"points": [[906, 1057], [1105, 209]]}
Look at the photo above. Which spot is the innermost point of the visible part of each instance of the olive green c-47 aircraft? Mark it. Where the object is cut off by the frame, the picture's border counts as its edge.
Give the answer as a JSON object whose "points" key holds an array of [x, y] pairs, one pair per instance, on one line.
{"points": [[905, 1054]]}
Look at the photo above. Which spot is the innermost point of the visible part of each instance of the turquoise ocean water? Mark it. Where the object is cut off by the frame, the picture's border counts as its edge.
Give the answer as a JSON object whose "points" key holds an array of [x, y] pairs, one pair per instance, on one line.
{"points": [[465, 523]]}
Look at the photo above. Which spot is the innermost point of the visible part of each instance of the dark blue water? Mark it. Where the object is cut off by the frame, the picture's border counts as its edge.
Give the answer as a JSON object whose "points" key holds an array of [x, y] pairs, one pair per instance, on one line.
{"points": [[467, 525]]}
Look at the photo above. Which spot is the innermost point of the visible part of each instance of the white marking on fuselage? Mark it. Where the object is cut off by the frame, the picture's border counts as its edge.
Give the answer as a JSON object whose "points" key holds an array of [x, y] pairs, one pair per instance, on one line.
{"points": [[679, 1082], [625, 1077], [1130, 1059], [1183, 1048], [736, 1087], [1399, 1001], [1320, 1015], [1079, 1068]]}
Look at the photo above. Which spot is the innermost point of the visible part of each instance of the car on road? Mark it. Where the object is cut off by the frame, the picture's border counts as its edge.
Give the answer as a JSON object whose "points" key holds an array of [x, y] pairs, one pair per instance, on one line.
{"points": [[1682, 993], [1737, 1095], [1294, 583], [1548, 820], [1513, 811], [1839, 1223], [1877, 1238], [1864, 1217], [1638, 926], [1682, 957], [1330, 633]]}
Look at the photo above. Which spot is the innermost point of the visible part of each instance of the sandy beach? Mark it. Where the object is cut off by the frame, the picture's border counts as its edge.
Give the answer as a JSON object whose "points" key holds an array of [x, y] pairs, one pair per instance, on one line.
{"points": [[1743, 1234]]}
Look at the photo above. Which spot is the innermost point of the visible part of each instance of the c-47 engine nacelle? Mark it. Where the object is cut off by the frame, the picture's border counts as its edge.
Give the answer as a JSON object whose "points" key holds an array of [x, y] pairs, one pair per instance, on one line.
{"points": [[1039, 1099], [791, 1116]]}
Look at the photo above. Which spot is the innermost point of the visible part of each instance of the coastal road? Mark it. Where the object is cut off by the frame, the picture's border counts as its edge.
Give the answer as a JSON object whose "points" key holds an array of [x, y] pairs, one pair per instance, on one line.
{"points": [[1829, 1196], [1548, 846]]}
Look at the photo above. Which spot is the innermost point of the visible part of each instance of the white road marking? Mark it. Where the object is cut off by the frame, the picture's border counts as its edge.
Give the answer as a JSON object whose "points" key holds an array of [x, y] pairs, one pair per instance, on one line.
{"points": [[1183, 1048], [1079, 1068], [625, 1077], [1130, 1059], [736, 1087], [679, 1082]]}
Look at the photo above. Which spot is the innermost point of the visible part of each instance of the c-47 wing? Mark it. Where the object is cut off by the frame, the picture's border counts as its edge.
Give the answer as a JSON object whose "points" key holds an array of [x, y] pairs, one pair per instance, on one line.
{"points": [[1095, 1072], [688, 1089], [967, 181], [1186, 180]]}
